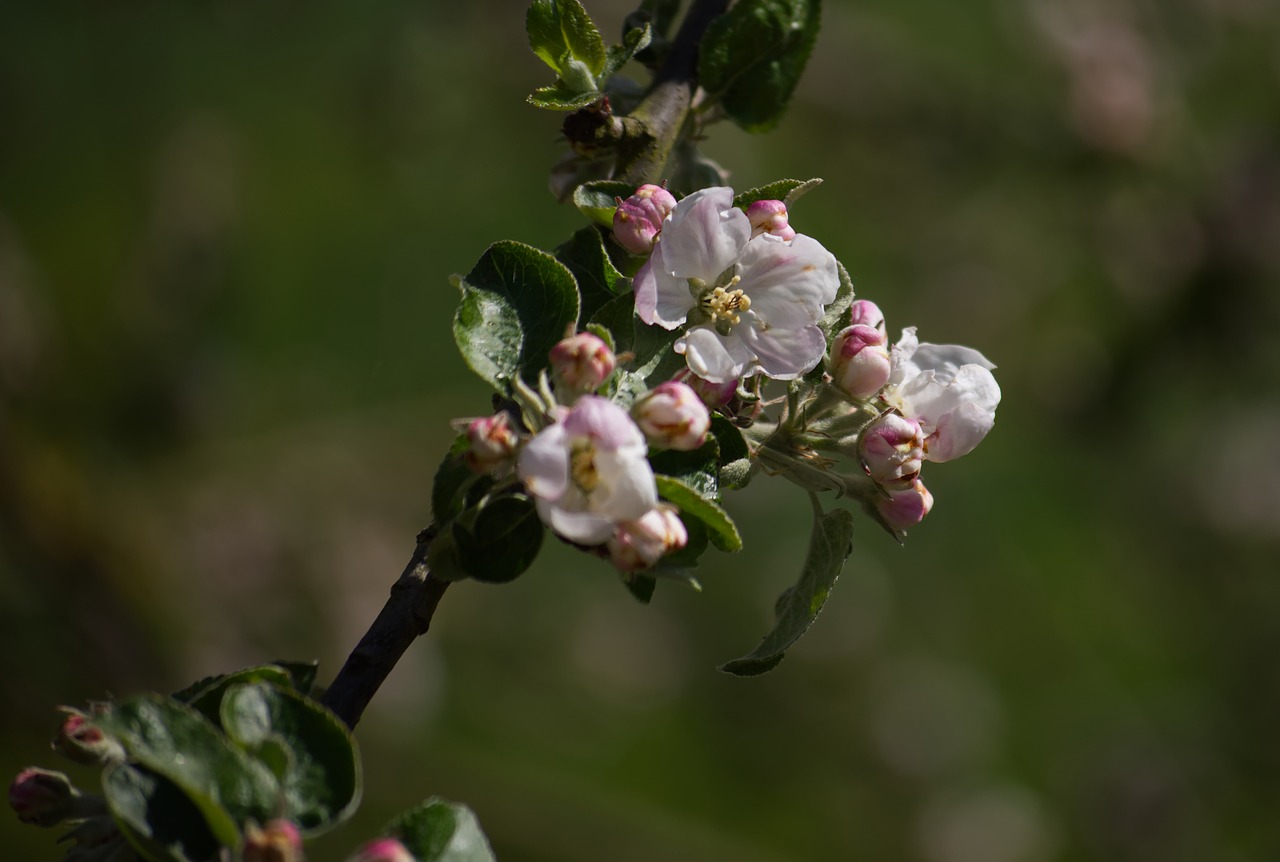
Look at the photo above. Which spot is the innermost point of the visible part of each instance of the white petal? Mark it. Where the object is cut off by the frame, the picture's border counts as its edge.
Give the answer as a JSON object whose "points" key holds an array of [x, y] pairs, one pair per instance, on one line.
{"points": [[605, 423], [661, 298], [928, 397], [716, 358], [544, 464], [704, 235], [959, 431], [585, 528], [947, 359], [788, 283], [785, 354], [901, 354], [627, 489]]}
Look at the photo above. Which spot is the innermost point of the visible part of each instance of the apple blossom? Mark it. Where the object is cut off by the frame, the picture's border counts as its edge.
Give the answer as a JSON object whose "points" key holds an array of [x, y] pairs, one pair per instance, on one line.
{"points": [[638, 220], [582, 362], [859, 362], [589, 472], [905, 508], [672, 416], [948, 388], [891, 450], [751, 305], [639, 544], [770, 217]]}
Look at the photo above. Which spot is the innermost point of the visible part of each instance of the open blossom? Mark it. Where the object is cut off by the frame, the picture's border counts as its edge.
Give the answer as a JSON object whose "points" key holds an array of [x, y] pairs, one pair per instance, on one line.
{"points": [[588, 472], [672, 416], [750, 305], [639, 544], [948, 389]]}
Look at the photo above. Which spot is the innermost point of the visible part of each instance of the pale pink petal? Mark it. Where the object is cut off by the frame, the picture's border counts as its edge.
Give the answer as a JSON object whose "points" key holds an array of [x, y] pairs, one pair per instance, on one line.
{"points": [[704, 235], [713, 358], [785, 354], [544, 464]]}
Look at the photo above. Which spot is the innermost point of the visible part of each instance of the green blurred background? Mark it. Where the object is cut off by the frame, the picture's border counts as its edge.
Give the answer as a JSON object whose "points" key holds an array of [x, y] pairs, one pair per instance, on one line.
{"points": [[226, 377]]}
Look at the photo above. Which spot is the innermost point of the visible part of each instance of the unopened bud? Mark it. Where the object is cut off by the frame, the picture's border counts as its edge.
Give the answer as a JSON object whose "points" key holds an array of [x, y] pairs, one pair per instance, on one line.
{"points": [[902, 510], [582, 362], [493, 441], [638, 220], [712, 394], [864, 312], [382, 850], [637, 545], [891, 449], [278, 841], [770, 217], [42, 797], [672, 416], [81, 741], [859, 362]]}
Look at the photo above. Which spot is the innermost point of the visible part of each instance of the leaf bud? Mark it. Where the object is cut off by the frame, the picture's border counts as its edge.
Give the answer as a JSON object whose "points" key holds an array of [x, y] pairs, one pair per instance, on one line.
{"points": [[904, 509], [891, 450], [864, 312], [672, 416], [859, 362], [383, 850], [770, 217], [42, 797], [637, 545], [582, 362], [712, 394], [80, 740], [278, 841], [638, 220], [492, 442]]}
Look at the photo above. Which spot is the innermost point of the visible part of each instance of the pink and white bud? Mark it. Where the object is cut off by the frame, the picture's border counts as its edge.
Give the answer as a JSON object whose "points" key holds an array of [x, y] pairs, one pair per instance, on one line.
{"points": [[638, 545], [904, 509], [582, 362], [891, 449], [42, 797], [859, 363], [672, 416], [712, 394], [770, 217], [79, 740], [864, 312], [278, 841], [492, 441], [638, 220], [383, 850]]}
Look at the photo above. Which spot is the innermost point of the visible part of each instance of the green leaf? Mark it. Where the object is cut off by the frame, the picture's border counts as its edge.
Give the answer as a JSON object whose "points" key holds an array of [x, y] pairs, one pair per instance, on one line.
{"points": [[517, 302], [733, 446], [836, 316], [302, 673], [598, 279], [641, 585], [599, 198], [175, 741], [635, 40], [155, 816], [697, 469], [753, 56], [441, 831], [787, 191], [560, 29], [451, 476], [829, 546], [209, 700], [320, 772], [618, 315], [498, 540], [562, 97], [720, 527]]}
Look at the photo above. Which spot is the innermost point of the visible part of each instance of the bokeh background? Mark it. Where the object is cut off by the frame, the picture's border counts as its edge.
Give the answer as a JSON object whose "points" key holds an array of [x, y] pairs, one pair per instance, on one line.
{"points": [[226, 376]]}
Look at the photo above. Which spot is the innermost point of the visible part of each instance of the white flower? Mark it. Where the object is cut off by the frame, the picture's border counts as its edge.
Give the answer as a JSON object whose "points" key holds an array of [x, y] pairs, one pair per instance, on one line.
{"points": [[948, 388], [751, 305], [588, 472]]}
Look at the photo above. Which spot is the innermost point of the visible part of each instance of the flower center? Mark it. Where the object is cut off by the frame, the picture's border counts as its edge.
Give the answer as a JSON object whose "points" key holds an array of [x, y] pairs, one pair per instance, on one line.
{"points": [[721, 305], [582, 467]]}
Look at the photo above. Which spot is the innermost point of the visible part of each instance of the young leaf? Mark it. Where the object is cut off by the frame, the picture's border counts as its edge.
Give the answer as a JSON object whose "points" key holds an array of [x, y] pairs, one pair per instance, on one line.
{"points": [[441, 831], [562, 29], [720, 527], [156, 817], [209, 700], [753, 56], [598, 279], [562, 97], [175, 741], [451, 477], [599, 198], [798, 607], [787, 191], [618, 315], [635, 40], [836, 316], [498, 541], [320, 781], [516, 304]]}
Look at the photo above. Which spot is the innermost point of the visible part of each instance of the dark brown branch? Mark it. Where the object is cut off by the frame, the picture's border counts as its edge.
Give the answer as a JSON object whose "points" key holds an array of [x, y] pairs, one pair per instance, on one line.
{"points": [[406, 615]]}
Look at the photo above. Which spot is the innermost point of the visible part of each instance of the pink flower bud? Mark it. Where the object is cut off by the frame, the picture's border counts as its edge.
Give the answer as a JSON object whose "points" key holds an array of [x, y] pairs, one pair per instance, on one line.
{"points": [[859, 361], [672, 416], [79, 740], [383, 850], [905, 509], [582, 362], [637, 545], [493, 441], [638, 220], [278, 841], [864, 312], [891, 449], [42, 797], [770, 217], [712, 394]]}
